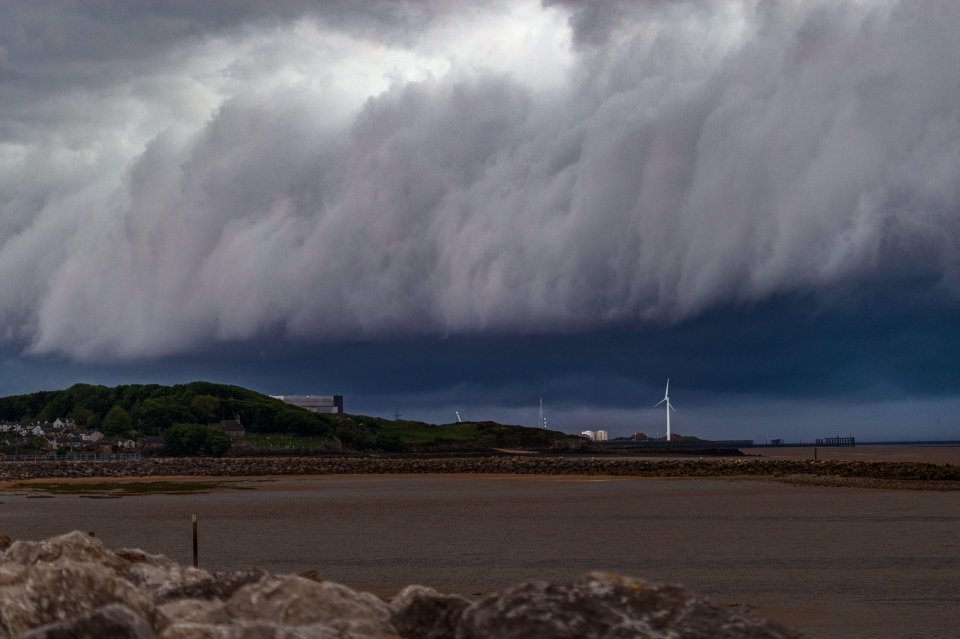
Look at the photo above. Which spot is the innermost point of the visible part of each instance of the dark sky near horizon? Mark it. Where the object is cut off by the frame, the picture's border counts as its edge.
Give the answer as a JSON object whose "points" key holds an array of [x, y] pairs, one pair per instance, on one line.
{"points": [[439, 206]]}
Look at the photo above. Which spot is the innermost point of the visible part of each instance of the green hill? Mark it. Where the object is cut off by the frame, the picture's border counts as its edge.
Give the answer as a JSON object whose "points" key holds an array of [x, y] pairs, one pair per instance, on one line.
{"points": [[149, 409], [420, 436]]}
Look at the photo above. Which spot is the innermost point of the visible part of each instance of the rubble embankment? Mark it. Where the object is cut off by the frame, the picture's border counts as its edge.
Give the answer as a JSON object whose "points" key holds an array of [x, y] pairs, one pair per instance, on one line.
{"points": [[73, 586], [834, 472]]}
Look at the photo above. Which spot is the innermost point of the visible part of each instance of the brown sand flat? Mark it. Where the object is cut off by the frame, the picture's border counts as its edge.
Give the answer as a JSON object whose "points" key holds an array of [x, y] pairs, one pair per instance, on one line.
{"points": [[834, 562], [11, 483]]}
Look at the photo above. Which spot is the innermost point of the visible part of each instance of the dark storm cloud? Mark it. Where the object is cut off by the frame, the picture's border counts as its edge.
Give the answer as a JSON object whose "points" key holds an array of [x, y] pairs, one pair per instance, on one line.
{"points": [[773, 370], [176, 174]]}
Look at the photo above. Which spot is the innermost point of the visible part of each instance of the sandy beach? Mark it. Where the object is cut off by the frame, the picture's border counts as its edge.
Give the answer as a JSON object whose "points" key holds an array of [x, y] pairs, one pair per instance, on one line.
{"points": [[834, 562]]}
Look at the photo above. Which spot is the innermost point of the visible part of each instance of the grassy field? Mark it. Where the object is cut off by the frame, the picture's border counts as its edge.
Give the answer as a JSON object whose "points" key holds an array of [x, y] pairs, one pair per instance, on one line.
{"points": [[284, 440], [485, 434], [391, 434], [418, 433]]}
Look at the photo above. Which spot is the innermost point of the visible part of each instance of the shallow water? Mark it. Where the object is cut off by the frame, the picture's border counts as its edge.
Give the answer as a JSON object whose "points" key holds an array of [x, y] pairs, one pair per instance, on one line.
{"points": [[835, 562]]}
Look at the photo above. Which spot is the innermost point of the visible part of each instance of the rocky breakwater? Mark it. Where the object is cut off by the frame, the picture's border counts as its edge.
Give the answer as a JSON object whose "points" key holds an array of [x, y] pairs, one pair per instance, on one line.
{"points": [[946, 477], [73, 586]]}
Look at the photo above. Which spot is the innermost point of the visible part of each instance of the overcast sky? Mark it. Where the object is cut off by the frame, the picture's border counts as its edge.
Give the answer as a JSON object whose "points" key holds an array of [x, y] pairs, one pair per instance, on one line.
{"points": [[431, 206]]}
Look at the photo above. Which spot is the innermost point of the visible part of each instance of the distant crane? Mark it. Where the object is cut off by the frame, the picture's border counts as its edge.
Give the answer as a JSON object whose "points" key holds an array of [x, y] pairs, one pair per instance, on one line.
{"points": [[457, 413], [666, 398]]}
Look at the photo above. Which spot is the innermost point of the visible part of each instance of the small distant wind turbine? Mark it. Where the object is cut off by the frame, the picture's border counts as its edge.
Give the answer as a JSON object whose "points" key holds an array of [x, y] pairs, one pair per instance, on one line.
{"points": [[459, 421], [666, 398]]}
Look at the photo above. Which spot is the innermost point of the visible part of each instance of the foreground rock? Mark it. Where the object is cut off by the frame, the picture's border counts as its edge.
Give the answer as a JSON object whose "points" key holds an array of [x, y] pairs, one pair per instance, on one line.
{"points": [[72, 586], [604, 605]]}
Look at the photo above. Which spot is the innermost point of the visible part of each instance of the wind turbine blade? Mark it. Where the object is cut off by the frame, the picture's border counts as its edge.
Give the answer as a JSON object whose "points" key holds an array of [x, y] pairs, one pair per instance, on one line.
{"points": [[672, 408], [660, 402], [666, 393]]}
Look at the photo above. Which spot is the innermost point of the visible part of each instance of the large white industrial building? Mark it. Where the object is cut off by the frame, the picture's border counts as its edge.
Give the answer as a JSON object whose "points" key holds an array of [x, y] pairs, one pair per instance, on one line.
{"points": [[596, 435], [314, 403]]}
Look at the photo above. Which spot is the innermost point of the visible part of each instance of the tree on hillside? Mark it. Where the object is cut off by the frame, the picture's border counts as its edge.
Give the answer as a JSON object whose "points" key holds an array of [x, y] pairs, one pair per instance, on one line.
{"points": [[60, 405], [99, 399], [206, 408], [157, 414], [194, 439], [117, 422], [84, 417]]}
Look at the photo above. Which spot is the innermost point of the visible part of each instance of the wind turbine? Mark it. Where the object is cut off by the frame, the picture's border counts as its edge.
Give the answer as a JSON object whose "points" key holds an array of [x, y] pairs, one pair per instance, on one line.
{"points": [[666, 398]]}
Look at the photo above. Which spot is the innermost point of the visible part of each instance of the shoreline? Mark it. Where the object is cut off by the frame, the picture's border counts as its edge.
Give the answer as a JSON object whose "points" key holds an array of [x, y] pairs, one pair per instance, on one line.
{"points": [[846, 473]]}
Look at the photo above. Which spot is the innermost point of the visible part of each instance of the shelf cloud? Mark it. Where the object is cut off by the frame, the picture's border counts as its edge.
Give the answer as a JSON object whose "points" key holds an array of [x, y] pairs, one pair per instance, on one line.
{"points": [[177, 174]]}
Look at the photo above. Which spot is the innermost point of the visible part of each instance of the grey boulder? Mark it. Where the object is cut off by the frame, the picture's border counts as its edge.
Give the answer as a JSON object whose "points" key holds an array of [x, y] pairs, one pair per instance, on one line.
{"points": [[608, 606]]}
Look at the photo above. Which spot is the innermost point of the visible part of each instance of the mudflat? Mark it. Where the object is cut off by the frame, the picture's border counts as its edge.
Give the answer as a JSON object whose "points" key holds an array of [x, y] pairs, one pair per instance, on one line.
{"points": [[832, 562]]}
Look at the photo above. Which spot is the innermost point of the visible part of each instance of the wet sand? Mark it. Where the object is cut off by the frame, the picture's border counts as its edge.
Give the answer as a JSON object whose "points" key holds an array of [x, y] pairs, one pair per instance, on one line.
{"points": [[834, 562]]}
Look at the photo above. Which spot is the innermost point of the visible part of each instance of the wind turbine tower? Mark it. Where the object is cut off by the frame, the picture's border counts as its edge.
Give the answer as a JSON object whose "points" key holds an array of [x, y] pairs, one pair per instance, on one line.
{"points": [[543, 420], [666, 398]]}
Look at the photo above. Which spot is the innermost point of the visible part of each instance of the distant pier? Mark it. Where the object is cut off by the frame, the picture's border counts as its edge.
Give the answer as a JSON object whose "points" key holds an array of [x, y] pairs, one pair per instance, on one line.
{"points": [[836, 441]]}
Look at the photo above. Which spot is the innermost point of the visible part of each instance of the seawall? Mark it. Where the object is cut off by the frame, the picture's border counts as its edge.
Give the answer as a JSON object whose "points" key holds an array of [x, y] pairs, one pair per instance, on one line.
{"points": [[937, 476]]}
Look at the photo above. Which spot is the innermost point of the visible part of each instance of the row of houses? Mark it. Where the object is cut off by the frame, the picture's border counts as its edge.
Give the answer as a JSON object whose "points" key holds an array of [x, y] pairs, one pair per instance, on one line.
{"points": [[40, 429], [63, 439], [59, 428], [64, 434]]}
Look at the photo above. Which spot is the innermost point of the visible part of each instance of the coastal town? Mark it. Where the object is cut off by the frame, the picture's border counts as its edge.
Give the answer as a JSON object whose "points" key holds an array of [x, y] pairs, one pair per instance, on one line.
{"points": [[64, 437]]}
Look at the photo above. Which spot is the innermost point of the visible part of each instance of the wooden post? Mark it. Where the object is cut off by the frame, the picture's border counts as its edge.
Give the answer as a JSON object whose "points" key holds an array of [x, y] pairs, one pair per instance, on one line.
{"points": [[196, 560], [92, 533], [814, 453]]}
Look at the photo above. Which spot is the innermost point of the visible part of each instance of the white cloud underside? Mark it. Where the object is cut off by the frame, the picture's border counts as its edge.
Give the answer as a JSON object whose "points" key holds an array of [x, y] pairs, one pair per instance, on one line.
{"points": [[502, 168]]}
